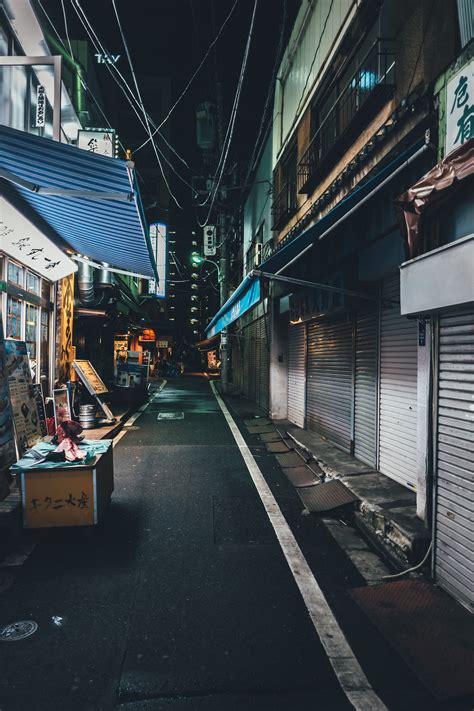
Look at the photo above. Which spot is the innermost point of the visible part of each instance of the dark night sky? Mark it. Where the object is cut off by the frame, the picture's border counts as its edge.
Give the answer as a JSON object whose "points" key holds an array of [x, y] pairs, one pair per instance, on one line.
{"points": [[168, 38]]}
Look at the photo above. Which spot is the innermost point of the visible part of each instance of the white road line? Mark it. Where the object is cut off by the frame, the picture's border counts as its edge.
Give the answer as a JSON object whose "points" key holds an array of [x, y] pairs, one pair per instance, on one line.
{"points": [[350, 675], [133, 418]]}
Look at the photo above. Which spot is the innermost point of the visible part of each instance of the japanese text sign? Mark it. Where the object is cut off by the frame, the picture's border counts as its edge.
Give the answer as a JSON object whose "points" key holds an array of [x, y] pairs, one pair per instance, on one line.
{"points": [[460, 108]]}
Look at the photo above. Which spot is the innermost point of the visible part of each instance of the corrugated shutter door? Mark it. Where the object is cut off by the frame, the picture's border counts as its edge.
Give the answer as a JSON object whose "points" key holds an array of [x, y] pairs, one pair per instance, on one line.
{"points": [[398, 384], [263, 364], [365, 411], [454, 553], [329, 381], [296, 373], [251, 361]]}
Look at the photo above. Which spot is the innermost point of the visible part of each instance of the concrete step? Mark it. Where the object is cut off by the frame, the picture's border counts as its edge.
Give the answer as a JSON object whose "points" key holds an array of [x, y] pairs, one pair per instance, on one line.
{"points": [[386, 511]]}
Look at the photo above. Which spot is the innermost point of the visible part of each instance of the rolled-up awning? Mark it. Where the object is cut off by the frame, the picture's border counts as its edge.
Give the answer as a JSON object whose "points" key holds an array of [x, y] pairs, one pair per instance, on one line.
{"points": [[289, 251], [243, 298], [90, 202]]}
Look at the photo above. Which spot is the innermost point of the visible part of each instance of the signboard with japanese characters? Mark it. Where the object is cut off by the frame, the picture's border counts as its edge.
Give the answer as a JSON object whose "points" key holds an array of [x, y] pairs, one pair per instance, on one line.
{"points": [[7, 441], [159, 244], [90, 377], [310, 303], [64, 325], [460, 108], [23, 241], [26, 418], [40, 106], [38, 395], [100, 141]]}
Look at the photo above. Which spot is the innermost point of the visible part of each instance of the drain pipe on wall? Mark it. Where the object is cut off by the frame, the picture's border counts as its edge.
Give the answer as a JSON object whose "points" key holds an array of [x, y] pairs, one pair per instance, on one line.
{"points": [[85, 282]]}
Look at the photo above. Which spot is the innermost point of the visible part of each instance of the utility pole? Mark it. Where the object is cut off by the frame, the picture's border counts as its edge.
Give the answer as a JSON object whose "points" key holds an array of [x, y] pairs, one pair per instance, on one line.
{"points": [[221, 236]]}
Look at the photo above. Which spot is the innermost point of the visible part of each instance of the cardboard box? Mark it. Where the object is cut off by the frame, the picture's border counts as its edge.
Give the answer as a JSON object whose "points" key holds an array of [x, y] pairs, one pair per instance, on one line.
{"points": [[70, 496]]}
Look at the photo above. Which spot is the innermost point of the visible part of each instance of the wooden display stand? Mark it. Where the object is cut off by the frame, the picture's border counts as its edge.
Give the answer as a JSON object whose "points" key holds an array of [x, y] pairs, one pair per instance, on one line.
{"points": [[68, 496]]}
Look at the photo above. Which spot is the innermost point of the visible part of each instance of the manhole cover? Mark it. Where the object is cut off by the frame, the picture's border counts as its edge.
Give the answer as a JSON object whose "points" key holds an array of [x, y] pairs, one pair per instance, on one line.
{"points": [[170, 416], [18, 630]]}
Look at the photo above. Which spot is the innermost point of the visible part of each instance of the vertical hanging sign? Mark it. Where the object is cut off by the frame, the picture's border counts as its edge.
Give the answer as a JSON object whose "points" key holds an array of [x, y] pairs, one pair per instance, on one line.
{"points": [[159, 243], [65, 310], [40, 106]]}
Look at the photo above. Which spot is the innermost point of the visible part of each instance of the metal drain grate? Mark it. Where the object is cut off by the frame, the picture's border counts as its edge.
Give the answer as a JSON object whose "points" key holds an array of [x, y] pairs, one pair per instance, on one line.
{"points": [[327, 496]]}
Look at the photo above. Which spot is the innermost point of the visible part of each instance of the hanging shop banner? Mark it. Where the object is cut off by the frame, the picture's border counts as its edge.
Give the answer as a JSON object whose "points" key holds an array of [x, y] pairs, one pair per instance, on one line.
{"points": [[26, 418], [90, 377], [39, 399], [62, 408], [460, 108], [307, 304], [64, 316], [23, 241], [102, 141], [40, 106], [7, 436], [159, 244]]}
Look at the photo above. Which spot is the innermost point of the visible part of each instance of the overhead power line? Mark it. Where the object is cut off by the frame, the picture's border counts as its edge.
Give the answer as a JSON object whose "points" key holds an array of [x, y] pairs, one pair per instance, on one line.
{"points": [[126, 90], [66, 29], [134, 77], [118, 77], [83, 83], [193, 76], [230, 128]]}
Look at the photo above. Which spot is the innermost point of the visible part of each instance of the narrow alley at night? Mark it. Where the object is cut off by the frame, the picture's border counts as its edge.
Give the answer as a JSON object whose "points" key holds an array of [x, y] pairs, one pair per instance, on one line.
{"points": [[236, 355]]}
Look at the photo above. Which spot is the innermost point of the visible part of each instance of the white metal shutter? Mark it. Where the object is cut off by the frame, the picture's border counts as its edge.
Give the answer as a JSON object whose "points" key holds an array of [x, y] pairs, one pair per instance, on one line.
{"points": [[454, 555], [398, 384], [329, 386], [296, 373], [263, 363], [366, 367], [251, 361]]}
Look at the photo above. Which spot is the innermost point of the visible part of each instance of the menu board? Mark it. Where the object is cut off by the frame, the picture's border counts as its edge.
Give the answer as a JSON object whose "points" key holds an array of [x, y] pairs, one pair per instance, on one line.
{"points": [[90, 377], [38, 393], [7, 436], [26, 418]]}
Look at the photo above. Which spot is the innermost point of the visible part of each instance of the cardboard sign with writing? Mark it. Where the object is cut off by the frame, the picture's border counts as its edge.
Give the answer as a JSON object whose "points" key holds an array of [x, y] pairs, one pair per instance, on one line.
{"points": [[26, 418], [90, 377]]}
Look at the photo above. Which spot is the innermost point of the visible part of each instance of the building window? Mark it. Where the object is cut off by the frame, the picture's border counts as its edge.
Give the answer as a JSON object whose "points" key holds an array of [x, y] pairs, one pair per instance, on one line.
{"points": [[31, 331], [15, 274], [33, 283], [284, 204], [337, 117], [14, 320]]}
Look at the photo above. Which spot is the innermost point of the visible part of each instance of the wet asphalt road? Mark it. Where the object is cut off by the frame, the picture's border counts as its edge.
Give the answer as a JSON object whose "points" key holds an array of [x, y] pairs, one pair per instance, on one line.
{"points": [[182, 599]]}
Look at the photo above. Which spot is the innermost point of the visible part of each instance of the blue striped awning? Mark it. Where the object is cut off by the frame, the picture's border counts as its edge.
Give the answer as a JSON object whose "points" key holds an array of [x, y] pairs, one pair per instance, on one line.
{"points": [[99, 212], [247, 295]]}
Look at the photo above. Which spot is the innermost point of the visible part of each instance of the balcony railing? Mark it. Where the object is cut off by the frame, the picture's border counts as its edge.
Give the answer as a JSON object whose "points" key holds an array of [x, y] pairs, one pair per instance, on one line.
{"points": [[284, 204], [371, 84]]}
